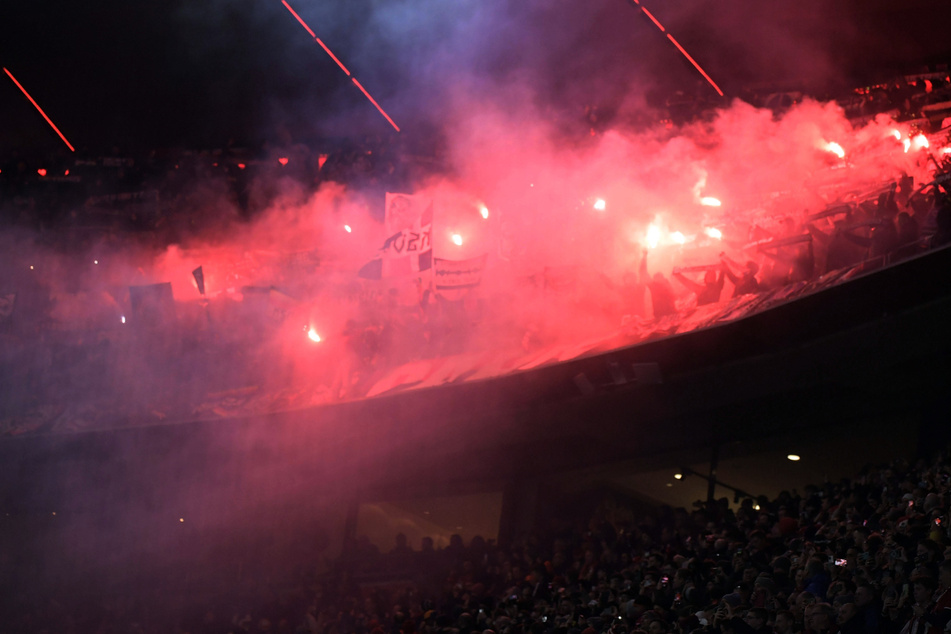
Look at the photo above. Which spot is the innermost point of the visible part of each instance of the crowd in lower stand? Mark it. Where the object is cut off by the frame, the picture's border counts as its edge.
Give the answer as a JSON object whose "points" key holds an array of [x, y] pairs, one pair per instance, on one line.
{"points": [[869, 555]]}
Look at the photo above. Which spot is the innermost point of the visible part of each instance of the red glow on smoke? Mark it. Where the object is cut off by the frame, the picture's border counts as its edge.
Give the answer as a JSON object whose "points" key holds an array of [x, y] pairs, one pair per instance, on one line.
{"points": [[37, 106]]}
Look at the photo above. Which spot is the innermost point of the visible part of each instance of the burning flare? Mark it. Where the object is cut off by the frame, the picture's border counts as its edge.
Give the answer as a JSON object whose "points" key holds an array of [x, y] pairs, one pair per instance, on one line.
{"points": [[710, 201]]}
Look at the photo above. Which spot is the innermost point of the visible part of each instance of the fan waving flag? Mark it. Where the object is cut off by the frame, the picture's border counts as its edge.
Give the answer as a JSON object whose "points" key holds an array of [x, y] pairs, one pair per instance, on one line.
{"points": [[409, 248]]}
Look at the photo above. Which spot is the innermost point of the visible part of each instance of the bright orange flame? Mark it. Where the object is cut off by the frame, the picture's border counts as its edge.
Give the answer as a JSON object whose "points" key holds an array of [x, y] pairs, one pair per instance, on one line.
{"points": [[835, 148], [283, 160], [457, 239], [41, 171], [600, 204], [710, 201], [37, 106], [313, 336], [714, 233]]}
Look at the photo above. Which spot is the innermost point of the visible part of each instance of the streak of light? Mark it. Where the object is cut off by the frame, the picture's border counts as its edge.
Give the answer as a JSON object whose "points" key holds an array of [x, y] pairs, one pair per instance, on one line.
{"points": [[340, 64], [373, 101], [695, 64], [37, 106]]}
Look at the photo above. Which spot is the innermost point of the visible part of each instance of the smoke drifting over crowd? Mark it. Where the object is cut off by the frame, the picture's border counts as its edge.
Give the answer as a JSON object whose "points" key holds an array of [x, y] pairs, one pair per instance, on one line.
{"points": [[562, 208]]}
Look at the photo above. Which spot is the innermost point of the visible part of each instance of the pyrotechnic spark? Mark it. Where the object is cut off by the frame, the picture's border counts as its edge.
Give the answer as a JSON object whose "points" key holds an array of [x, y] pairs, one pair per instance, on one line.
{"points": [[37, 106], [340, 64], [347, 229], [484, 211], [600, 205], [896, 134], [710, 201], [313, 336], [714, 233], [835, 148], [457, 239], [95, 261], [122, 319], [653, 236]]}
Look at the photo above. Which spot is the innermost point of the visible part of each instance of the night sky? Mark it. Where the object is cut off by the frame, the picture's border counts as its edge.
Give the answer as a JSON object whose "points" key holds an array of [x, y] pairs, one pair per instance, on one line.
{"points": [[201, 73]]}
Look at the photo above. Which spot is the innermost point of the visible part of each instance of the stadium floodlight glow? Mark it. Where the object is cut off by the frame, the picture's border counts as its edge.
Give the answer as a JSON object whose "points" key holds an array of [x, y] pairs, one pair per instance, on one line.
{"points": [[346, 71], [40, 110]]}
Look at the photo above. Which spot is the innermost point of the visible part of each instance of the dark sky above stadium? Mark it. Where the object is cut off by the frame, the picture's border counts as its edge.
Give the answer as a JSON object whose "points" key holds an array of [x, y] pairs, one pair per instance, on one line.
{"points": [[197, 73]]}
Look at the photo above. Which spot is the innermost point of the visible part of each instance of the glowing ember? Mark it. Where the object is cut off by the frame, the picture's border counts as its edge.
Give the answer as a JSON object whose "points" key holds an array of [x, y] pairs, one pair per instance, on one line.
{"points": [[834, 148], [282, 160], [484, 211], [457, 239], [41, 172], [710, 201], [313, 336], [600, 205], [653, 236], [714, 233], [347, 229], [920, 141]]}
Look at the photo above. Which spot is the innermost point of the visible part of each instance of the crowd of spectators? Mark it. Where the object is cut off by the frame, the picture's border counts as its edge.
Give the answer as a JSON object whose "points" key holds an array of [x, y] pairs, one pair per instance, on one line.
{"points": [[867, 555]]}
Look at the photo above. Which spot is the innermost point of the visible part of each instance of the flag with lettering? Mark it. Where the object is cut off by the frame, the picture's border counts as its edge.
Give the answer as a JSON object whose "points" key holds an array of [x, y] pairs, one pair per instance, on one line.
{"points": [[408, 249]]}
